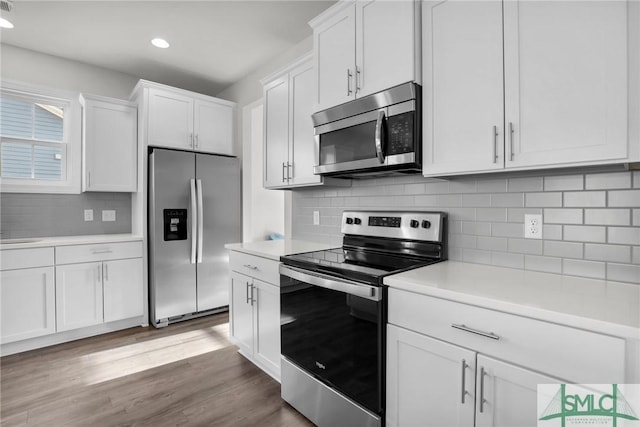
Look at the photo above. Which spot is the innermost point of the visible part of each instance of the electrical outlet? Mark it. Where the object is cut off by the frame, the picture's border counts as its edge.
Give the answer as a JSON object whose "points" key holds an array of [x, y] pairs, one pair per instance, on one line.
{"points": [[108, 215], [316, 217], [533, 226], [88, 214]]}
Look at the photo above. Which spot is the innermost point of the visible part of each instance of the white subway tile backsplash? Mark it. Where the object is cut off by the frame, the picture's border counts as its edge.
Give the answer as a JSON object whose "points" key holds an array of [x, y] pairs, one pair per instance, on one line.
{"points": [[491, 186], [503, 259], [476, 200], [418, 188], [525, 246], [491, 214], [611, 253], [607, 216], [462, 214], [428, 200], [636, 179], [636, 217], [507, 229], [465, 185], [476, 228], [599, 181], [564, 183], [623, 273], [438, 187], [585, 233], [476, 256], [592, 269], [552, 232], [635, 255], [543, 200], [462, 241], [624, 235], [543, 263], [517, 214], [624, 199], [585, 199], [491, 243], [455, 254], [525, 184], [507, 200], [562, 216], [562, 249]]}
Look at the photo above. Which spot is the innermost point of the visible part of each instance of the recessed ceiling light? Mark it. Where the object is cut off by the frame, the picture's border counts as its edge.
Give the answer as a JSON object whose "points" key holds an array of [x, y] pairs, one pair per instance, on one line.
{"points": [[161, 43], [5, 24]]}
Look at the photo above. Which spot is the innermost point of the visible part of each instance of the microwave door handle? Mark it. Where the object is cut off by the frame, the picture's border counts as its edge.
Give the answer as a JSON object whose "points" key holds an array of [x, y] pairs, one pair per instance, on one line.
{"points": [[380, 136]]}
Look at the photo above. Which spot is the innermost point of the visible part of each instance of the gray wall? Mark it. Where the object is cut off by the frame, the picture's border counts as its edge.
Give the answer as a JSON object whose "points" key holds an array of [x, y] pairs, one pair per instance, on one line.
{"points": [[45, 215], [591, 220], [42, 215]]}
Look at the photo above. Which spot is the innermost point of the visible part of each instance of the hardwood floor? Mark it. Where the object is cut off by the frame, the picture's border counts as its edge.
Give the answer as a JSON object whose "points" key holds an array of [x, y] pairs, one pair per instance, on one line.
{"points": [[187, 374]]}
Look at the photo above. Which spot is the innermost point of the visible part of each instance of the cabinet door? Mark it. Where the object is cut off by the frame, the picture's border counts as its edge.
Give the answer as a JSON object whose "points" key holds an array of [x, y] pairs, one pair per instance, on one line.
{"points": [[122, 289], [27, 303], [78, 295], [213, 127], [463, 92], [170, 121], [276, 132], [507, 394], [386, 39], [110, 146], [267, 326], [334, 44], [241, 312], [429, 382], [565, 81], [302, 142]]}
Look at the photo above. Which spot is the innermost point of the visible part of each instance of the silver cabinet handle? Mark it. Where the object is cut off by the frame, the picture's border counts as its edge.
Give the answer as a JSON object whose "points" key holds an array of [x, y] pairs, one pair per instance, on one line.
{"points": [[289, 167], [464, 391], [101, 251], [200, 220], [191, 140], [357, 79], [476, 331], [194, 221], [253, 299], [105, 273], [380, 136], [494, 142], [510, 141], [349, 75], [196, 140], [283, 169], [247, 289], [482, 399], [252, 267]]}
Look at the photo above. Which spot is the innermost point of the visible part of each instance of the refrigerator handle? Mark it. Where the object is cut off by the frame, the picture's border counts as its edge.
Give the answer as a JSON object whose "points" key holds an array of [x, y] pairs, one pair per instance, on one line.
{"points": [[200, 220], [194, 226]]}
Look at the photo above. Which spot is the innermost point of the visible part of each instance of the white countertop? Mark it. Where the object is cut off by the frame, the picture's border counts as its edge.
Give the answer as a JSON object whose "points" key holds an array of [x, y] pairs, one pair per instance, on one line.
{"points": [[41, 242], [597, 305], [274, 249]]}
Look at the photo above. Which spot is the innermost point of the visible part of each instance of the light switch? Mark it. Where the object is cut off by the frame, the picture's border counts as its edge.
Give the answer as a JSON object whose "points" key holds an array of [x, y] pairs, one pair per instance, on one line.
{"points": [[88, 214], [108, 215]]}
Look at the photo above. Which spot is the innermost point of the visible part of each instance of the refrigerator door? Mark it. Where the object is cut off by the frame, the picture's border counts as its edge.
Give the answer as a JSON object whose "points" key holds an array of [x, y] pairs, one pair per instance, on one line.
{"points": [[172, 243], [218, 180]]}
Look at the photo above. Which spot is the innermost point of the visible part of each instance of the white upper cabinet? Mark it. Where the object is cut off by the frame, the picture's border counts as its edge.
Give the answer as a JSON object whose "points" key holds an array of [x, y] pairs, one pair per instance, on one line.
{"points": [[186, 120], [363, 47], [110, 144], [289, 143], [564, 69]]}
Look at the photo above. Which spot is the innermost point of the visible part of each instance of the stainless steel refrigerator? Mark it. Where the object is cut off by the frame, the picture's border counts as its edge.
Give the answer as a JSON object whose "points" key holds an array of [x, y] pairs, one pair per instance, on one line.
{"points": [[194, 210]]}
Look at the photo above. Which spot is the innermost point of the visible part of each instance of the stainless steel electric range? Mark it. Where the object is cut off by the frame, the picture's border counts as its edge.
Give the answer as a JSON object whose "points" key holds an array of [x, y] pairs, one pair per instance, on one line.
{"points": [[333, 313]]}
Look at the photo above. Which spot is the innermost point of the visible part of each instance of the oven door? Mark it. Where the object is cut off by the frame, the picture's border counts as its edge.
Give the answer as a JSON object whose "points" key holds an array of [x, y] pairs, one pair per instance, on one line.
{"points": [[376, 139], [333, 330]]}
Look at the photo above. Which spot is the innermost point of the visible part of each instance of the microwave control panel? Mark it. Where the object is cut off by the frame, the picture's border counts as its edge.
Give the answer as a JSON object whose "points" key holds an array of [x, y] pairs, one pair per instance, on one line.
{"points": [[400, 134]]}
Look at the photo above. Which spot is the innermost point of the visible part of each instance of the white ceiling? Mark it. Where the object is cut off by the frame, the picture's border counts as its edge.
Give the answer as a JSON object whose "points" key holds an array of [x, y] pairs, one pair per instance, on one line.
{"points": [[213, 43]]}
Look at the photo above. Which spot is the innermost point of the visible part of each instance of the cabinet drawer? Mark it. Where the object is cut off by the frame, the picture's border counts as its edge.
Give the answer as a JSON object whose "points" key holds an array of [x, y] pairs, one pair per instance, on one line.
{"points": [[11, 259], [260, 268], [98, 252], [571, 354]]}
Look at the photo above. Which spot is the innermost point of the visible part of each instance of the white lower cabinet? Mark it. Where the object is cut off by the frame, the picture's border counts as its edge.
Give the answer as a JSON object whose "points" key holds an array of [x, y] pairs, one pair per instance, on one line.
{"points": [[255, 310], [122, 289], [434, 383], [454, 364], [78, 295], [27, 303], [255, 320]]}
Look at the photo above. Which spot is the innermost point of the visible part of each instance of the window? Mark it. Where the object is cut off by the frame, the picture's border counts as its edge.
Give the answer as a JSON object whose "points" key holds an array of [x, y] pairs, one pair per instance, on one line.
{"points": [[38, 142]]}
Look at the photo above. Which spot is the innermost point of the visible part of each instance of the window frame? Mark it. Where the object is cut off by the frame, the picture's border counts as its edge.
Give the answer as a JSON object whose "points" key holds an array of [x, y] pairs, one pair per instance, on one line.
{"points": [[72, 131]]}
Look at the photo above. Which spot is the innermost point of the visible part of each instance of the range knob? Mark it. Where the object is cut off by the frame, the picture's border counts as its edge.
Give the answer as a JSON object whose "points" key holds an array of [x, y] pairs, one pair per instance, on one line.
{"points": [[357, 221], [414, 223], [349, 220], [426, 224]]}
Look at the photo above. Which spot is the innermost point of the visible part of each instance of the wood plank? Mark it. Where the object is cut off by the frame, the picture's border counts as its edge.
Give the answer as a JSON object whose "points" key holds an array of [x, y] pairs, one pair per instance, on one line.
{"points": [[186, 374]]}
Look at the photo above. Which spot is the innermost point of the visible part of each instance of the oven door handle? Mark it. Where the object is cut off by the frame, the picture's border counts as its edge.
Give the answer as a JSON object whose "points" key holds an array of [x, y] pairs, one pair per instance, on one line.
{"points": [[325, 281]]}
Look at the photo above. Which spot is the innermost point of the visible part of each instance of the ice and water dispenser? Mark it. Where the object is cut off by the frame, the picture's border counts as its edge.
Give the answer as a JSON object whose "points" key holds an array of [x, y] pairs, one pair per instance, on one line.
{"points": [[175, 224]]}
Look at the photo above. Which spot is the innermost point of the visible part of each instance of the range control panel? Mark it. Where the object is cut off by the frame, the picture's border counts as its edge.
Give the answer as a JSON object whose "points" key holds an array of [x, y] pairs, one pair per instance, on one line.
{"points": [[427, 226]]}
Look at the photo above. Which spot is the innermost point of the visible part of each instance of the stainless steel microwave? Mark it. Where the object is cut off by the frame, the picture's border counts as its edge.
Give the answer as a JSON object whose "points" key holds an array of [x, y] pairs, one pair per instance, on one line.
{"points": [[379, 134]]}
